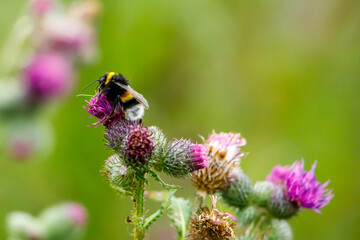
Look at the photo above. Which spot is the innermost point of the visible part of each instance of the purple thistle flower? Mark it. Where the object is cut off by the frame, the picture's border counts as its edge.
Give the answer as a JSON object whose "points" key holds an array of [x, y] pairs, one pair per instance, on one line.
{"points": [[198, 157], [300, 187], [101, 108], [48, 75], [278, 174], [139, 144], [225, 146], [224, 158]]}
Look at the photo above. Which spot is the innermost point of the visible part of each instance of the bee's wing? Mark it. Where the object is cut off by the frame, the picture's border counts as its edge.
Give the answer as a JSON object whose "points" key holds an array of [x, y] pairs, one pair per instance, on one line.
{"points": [[135, 94]]}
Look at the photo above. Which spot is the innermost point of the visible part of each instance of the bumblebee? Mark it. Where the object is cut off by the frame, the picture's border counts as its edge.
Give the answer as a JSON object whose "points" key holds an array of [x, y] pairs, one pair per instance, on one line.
{"points": [[117, 89]]}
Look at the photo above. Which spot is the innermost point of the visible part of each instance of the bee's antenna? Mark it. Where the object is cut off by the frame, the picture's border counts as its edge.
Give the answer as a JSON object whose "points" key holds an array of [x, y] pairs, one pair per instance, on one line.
{"points": [[90, 84], [84, 95]]}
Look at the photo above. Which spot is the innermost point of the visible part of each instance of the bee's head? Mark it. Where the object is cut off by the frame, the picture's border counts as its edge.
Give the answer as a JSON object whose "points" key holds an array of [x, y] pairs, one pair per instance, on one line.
{"points": [[107, 78]]}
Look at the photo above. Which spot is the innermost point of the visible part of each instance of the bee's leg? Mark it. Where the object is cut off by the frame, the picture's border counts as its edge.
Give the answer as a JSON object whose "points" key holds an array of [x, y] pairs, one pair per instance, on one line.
{"points": [[98, 97], [140, 121], [101, 93], [116, 104]]}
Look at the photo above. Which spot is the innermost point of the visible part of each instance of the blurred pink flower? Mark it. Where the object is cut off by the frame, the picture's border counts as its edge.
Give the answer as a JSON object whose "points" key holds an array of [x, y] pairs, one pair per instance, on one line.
{"points": [[48, 75], [77, 214], [67, 33], [40, 7], [21, 148]]}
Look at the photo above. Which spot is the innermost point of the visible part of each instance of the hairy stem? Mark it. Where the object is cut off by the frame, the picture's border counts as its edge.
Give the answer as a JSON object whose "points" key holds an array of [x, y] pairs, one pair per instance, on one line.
{"points": [[139, 231], [199, 200], [163, 184], [254, 225]]}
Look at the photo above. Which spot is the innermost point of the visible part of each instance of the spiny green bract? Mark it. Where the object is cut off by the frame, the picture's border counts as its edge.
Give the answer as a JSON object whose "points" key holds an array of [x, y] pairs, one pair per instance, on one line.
{"points": [[175, 157], [247, 215], [160, 147], [118, 174], [280, 207], [262, 193], [239, 192], [276, 230]]}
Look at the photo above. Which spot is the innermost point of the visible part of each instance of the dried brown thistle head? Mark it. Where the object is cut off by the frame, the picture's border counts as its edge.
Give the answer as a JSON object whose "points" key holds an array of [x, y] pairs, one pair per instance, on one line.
{"points": [[211, 225]]}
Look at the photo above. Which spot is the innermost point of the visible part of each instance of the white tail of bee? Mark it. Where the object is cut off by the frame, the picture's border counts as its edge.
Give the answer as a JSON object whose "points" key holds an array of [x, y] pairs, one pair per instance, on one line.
{"points": [[135, 112]]}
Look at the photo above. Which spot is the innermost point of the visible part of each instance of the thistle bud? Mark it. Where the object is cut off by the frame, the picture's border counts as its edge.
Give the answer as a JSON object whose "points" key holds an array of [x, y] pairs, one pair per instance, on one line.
{"points": [[180, 157], [280, 230], [159, 146], [279, 206], [118, 174], [138, 145], [158, 136], [65, 221], [239, 191], [262, 193], [22, 225], [116, 133], [27, 140], [247, 215]]}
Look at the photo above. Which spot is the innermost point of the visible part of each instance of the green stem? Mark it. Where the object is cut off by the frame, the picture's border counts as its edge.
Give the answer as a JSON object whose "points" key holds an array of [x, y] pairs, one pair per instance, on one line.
{"points": [[139, 231], [120, 191], [199, 200], [254, 225], [163, 184]]}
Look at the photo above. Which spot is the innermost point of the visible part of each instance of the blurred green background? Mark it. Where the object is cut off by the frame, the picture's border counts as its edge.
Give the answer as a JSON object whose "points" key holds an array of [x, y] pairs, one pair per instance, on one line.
{"points": [[286, 74]]}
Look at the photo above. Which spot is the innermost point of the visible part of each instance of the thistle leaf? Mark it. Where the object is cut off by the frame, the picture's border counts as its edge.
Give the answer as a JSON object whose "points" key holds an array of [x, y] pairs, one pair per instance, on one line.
{"points": [[153, 217], [179, 212]]}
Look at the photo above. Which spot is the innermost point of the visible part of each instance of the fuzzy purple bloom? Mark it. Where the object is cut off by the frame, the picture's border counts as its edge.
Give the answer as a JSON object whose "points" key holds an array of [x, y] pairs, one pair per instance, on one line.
{"points": [[198, 157], [139, 144], [48, 75], [278, 174], [301, 187], [101, 108]]}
